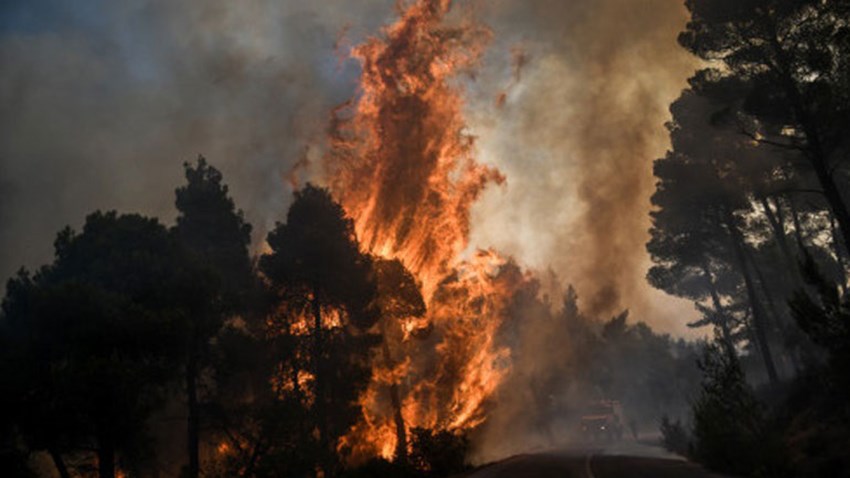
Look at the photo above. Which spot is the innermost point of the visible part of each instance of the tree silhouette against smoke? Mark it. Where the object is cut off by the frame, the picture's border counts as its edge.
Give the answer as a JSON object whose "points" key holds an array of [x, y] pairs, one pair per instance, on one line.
{"points": [[93, 337], [688, 260], [782, 89], [216, 235], [786, 69], [697, 238], [316, 266], [750, 209]]}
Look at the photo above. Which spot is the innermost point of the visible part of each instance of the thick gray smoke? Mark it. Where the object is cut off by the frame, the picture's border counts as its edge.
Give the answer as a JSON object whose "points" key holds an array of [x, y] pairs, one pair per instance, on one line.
{"points": [[102, 103], [576, 136]]}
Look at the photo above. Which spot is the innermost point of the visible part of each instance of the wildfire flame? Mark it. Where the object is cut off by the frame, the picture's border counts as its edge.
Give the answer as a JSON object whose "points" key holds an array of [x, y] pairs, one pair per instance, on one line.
{"points": [[402, 165]]}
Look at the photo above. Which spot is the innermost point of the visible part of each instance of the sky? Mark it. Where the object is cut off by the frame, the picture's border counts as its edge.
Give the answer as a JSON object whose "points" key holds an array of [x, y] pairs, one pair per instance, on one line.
{"points": [[103, 101]]}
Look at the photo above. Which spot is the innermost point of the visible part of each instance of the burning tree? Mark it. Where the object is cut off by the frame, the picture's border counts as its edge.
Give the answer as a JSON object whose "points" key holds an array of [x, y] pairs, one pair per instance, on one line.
{"points": [[327, 291], [403, 167], [401, 305]]}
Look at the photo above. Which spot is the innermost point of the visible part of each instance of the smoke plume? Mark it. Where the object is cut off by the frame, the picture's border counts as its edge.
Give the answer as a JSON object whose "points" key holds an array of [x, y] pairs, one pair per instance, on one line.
{"points": [[576, 137], [103, 102]]}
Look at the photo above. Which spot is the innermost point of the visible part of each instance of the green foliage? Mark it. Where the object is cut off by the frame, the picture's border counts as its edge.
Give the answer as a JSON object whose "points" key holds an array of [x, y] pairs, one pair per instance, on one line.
{"points": [[784, 80]]}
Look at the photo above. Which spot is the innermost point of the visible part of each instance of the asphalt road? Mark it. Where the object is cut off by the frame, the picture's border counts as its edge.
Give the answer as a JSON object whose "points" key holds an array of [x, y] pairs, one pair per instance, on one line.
{"points": [[590, 463]]}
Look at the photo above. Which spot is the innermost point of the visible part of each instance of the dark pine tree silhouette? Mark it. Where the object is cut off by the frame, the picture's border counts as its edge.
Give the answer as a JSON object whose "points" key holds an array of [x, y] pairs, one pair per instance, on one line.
{"points": [[786, 65], [317, 268], [95, 335], [215, 235]]}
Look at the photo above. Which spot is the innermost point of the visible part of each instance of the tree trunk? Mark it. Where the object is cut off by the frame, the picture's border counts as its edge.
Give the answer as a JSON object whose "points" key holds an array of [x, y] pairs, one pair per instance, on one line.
{"points": [[105, 456], [782, 241], [395, 399], [818, 157], [59, 463], [780, 320], [193, 423], [836, 202], [759, 322], [774, 314], [319, 380], [726, 333], [839, 255], [798, 228]]}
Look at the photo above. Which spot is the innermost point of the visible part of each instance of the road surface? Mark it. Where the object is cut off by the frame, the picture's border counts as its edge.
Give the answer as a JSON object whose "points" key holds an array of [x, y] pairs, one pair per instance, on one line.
{"points": [[592, 463]]}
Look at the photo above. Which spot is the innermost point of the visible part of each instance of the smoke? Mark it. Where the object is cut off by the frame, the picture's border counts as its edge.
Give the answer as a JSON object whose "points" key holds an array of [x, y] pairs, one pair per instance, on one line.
{"points": [[563, 361], [103, 102], [576, 137]]}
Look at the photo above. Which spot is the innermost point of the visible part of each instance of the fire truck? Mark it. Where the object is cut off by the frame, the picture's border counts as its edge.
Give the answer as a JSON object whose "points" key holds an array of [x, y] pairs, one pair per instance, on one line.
{"points": [[602, 421]]}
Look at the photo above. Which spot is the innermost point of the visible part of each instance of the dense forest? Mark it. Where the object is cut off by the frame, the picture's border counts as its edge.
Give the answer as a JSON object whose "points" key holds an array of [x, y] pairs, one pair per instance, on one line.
{"points": [[150, 349], [135, 324], [752, 224]]}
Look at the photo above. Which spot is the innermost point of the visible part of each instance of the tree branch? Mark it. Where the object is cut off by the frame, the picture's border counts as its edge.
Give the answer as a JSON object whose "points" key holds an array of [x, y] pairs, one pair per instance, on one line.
{"points": [[768, 142]]}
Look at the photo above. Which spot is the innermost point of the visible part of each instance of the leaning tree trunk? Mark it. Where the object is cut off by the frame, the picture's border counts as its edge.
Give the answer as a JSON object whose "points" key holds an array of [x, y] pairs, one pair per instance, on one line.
{"points": [[798, 227], [726, 333], [780, 321], [781, 239], [817, 155], [839, 254], [765, 290], [59, 463], [759, 320], [833, 196]]}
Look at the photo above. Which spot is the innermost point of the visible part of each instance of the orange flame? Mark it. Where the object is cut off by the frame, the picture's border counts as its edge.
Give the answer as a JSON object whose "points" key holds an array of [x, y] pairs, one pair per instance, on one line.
{"points": [[402, 165]]}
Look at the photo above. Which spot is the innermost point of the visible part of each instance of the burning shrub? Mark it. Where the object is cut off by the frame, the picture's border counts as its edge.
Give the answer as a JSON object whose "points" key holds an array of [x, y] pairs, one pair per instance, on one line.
{"points": [[441, 453]]}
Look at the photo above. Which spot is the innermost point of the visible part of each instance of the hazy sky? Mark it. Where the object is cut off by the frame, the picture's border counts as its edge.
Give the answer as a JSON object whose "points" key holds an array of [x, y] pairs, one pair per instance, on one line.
{"points": [[103, 102]]}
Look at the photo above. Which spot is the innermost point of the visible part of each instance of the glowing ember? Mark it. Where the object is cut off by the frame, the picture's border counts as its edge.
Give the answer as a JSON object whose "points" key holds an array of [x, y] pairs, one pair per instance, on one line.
{"points": [[223, 448]]}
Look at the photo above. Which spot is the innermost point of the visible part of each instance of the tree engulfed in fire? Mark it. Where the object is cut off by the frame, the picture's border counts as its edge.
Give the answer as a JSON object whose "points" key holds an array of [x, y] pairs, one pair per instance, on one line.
{"points": [[403, 167]]}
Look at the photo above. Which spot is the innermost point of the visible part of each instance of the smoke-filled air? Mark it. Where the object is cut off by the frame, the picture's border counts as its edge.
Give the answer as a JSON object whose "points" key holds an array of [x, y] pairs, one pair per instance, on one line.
{"points": [[424, 238]]}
